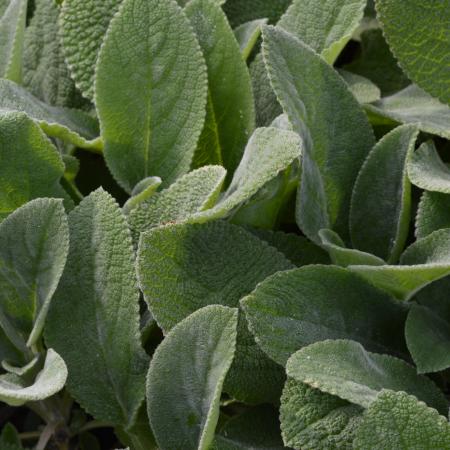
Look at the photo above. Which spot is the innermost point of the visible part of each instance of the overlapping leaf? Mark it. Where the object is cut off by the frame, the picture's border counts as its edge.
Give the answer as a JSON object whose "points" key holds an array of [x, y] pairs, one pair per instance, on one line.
{"points": [[433, 213], [248, 34]]}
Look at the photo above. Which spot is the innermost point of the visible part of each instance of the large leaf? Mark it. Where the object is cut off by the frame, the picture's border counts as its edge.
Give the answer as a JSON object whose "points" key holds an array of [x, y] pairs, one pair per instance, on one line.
{"points": [[336, 134], [30, 165], [50, 380], [230, 114], [381, 202], [293, 309], [345, 369], [179, 272], [34, 242], [433, 213], [314, 420], [418, 34], [94, 319], [186, 376], [398, 420], [150, 92], [239, 11], [83, 24]]}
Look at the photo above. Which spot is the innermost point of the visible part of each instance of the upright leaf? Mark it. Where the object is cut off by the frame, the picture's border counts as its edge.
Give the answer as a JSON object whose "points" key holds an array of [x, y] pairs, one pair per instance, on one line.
{"points": [[186, 376], [335, 131], [94, 319], [230, 114], [150, 92], [247, 36], [433, 213]]}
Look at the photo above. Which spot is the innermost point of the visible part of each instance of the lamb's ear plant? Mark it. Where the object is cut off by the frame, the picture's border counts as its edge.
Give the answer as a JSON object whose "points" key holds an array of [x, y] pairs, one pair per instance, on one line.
{"points": [[224, 225]]}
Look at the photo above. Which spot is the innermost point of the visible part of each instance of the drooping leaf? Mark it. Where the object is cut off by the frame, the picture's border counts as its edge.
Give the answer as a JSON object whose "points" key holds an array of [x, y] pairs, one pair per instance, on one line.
{"points": [[51, 379], [293, 309], [150, 92], [313, 420], [398, 420], [336, 134], [186, 376], [381, 202], [418, 34], [179, 272], [433, 213], [94, 318], [362, 88], [248, 34], [230, 114], [345, 369]]}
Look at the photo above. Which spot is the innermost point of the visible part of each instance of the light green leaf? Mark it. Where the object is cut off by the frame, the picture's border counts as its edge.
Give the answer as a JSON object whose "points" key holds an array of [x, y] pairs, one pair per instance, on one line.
{"points": [[83, 25], [413, 105], [70, 125], [34, 242], [51, 379], [433, 213], [398, 420], [196, 191], [150, 92], [362, 88], [142, 192], [25, 150], [23, 371], [418, 34], [94, 319], [230, 114], [248, 34], [293, 309], [179, 272], [345, 369], [12, 28], [325, 26], [381, 202], [314, 420], [343, 256], [186, 376], [333, 154]]}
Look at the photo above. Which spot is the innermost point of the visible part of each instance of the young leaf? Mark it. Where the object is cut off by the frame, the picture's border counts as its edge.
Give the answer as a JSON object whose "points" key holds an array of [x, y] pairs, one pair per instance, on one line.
{"points": [[186, 376], [94, 319], [30, 165], [142, 192], [293, 309], [150, 92], [336, 134], [9, 437], [34, 242], [398, 420], [418, 35], [12, 27], [179, 272], [83, 24], [313, 420], [433, 213], [230, 114], [51, 379], [247, 35], [345, 369], [381, 202]]}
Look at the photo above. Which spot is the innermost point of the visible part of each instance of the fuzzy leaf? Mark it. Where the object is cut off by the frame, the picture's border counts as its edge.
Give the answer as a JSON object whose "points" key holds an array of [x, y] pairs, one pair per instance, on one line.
{"points": [[186, 376], [248, 34], [150, 92], [433, 213], [362, 88]]}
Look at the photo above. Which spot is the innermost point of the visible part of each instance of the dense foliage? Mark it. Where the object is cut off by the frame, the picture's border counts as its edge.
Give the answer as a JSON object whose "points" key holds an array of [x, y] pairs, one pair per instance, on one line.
{"points": [[225, 225]]}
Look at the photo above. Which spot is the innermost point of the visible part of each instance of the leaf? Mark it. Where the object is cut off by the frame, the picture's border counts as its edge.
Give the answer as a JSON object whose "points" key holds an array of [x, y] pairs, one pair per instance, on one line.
{"points": [[313, 420], [50, 380], [417, 33], [329, 167], [380, 211], [83, 25], [179, 272], [186, 376], [25, 150], [12, 27], [142, 192], [325, 27], [151, 124], [34, 242], [398, 420], [343, 368], [70, 125], [433, 213], [94, 319], [196, 191], [248, 34], [362, 88], [293, 309], [415, 106], [230, 114]]}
